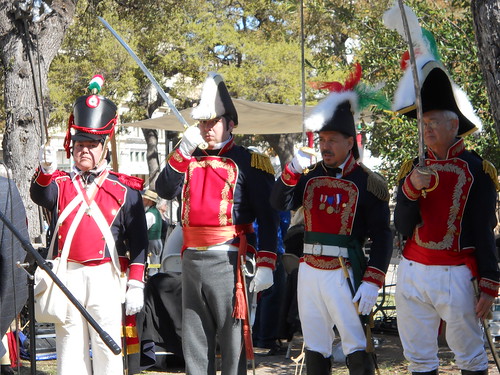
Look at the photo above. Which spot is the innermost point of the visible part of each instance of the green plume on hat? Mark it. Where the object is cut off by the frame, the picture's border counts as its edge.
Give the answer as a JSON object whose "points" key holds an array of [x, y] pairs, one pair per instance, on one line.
{"points": [[95, 84]]}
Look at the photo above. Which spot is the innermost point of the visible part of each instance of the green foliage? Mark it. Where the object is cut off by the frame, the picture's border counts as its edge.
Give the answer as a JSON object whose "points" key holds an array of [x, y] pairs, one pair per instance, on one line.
{"points": [[256, 46], [393, 138], [87, 50]]}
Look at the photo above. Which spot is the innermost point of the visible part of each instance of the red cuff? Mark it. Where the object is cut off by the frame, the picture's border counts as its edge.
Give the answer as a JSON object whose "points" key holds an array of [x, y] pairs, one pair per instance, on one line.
{"points": [[288, 177], [124, 262], [266, 259], [489, 287], [136, 272], [177, 161], [410, 191], [42, 179], [375, 276]]}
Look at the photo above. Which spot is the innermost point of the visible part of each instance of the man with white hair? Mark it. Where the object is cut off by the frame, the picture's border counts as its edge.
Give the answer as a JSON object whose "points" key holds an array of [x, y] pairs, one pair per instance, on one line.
{"points": [[446, 209]]}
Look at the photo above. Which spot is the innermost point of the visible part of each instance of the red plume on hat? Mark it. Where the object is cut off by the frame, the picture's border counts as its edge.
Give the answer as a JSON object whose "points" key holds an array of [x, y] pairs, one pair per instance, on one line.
{"points": [[349, 84], [93, 118], [340, 109]]}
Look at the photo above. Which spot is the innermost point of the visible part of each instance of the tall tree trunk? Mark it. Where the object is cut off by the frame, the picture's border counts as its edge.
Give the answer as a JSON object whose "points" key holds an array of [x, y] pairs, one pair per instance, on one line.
{"points": [[151, 137], [24, 128], [282, 144], [486, 14]]}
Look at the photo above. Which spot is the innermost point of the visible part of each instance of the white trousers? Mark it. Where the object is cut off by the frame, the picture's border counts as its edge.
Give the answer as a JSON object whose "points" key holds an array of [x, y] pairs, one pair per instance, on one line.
{"points": [[424, 296], [97, 288], [325, 301]]}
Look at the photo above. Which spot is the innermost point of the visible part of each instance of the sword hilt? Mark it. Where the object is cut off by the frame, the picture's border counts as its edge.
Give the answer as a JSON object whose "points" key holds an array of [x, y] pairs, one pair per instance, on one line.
{"points": [[428, 171]]}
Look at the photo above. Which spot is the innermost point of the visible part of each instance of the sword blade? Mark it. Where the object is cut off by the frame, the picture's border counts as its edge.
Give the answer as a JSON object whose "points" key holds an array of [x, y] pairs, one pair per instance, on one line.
{"points": [[253, 309], [486, 328], [148, 74], [416, 83]]}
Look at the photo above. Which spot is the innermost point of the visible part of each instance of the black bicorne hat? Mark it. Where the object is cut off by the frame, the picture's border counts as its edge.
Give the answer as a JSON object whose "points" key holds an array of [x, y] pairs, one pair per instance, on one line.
{"points": [[340, 109], [334, 113], [438, 92]]}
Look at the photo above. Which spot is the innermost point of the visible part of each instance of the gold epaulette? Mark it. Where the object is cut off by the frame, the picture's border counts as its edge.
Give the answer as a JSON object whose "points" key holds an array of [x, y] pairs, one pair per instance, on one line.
{"points": [[490, 170], [262, 162], [376, 184], [405, 169]]}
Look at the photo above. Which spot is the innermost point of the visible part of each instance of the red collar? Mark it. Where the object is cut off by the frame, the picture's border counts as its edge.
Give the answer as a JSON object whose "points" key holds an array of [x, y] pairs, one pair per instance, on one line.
{"points": [[456, 149], [350, 165], [228, 146]]}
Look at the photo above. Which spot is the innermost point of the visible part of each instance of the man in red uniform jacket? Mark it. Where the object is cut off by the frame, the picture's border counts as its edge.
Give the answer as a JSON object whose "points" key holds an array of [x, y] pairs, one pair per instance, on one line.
{"points": [[98, 225]]}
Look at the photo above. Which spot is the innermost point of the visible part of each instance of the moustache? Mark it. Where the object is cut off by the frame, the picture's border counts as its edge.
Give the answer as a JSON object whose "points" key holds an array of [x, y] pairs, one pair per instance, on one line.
{"points": [[323, 153]]}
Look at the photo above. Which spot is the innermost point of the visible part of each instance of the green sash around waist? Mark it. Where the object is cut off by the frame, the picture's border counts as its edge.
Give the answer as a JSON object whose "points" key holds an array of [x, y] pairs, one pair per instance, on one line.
{"points": [[354, 249]]}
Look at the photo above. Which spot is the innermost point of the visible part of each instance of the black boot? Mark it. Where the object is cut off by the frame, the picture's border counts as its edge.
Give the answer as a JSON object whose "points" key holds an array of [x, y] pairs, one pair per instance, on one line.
{"points": [[482, 372], [433, 372], [7, 370], [360, 363], [316, 364]]}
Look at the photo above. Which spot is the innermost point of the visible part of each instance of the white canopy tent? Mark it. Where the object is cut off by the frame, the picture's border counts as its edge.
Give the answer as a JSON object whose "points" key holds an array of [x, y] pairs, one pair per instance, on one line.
{"points": [[253, 118]]}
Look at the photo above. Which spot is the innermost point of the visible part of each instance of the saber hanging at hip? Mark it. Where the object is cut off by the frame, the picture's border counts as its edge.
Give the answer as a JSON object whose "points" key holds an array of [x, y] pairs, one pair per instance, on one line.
{"points": [[486, 328], [416, 82], [151, 78], [366, 326]]}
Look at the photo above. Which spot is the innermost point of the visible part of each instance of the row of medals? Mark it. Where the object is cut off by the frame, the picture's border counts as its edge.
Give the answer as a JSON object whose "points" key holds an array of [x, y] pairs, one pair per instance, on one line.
{"points": [[331, 208]]}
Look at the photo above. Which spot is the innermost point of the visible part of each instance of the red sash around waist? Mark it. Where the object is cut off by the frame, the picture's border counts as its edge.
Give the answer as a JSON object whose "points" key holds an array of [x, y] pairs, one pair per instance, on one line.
{"points": [[209, 236], [431, 257]]}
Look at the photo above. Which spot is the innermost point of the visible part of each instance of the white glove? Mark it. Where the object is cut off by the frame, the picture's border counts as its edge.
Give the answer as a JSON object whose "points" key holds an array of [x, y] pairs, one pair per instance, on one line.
{"points": [[301, 160], [47, 156], [367, 296], [134, 298], [190, 140], [262, 280]]}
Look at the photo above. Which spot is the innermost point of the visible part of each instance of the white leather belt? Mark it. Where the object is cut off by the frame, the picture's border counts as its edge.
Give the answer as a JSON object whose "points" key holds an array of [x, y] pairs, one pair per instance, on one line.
{"points": [[325, 250]]}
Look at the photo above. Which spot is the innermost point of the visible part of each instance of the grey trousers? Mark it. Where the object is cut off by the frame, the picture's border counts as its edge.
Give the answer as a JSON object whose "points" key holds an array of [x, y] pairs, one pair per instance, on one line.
{"points": [[208, 283]]}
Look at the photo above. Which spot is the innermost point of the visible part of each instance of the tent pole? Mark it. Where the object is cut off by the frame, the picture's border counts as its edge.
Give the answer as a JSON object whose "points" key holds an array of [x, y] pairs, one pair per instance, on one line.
{"points": [[302, 67]]}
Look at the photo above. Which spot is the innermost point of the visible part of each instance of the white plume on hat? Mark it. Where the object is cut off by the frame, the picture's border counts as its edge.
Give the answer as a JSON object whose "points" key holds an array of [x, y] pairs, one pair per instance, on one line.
{"points": [[211, 104], [426, 57], [405, 93], [325, 109], [394, 21], [466, 107]]}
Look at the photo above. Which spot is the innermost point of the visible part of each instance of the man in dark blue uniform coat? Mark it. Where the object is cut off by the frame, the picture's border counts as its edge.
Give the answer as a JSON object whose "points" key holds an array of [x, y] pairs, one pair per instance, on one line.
{"points": [[344, 204], [225, 188]]}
